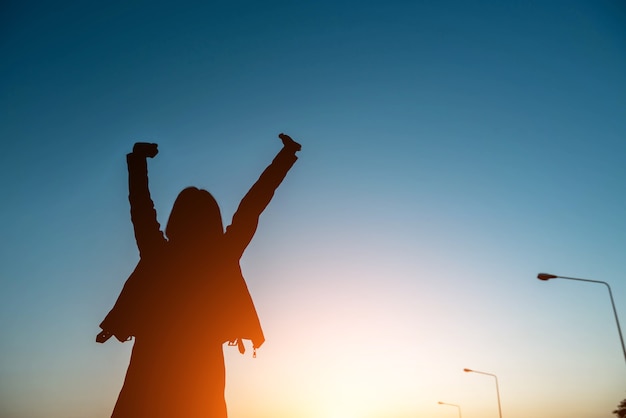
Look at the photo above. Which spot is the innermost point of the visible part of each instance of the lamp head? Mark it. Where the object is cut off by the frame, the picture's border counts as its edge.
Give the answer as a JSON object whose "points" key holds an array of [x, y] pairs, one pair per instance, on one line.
{"points": [[546, 276]]}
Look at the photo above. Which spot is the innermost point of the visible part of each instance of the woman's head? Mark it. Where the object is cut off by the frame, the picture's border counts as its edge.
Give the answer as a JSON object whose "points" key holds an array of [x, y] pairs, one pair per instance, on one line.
{"points": [[195, 219]]}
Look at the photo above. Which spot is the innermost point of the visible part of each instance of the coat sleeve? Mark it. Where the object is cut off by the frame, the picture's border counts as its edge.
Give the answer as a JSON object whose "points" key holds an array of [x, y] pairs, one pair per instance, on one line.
{"points": [[246, 218], [148, 232], [124, 318]]}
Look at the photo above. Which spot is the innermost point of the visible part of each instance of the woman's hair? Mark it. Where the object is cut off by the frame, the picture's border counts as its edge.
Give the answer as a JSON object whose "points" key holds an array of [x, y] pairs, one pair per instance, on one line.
{"points": [[195, 218]]}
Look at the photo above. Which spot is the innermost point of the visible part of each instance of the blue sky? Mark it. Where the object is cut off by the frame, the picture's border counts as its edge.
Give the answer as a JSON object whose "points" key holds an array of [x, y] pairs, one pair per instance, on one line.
{"points": [[451, 151]]}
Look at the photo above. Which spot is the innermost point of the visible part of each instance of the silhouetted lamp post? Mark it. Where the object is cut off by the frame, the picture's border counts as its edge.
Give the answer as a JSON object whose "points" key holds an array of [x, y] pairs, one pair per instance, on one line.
{"points": [[546, 277], [451, 404], [497, 388]]}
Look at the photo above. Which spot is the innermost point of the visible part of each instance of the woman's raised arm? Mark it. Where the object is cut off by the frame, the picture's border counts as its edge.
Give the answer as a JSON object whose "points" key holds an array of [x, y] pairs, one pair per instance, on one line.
{"points": [[246, 218], [147, 229]]}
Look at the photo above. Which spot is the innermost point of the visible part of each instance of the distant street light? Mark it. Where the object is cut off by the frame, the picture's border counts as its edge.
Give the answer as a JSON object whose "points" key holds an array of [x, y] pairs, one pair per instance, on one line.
{"points": [[451, 404], [497, 388], [546, 277]]}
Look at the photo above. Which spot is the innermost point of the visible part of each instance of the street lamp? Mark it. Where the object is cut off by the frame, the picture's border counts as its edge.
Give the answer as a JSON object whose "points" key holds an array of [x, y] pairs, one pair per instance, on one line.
{"points": [[451, 404], [546, 277], [497, 388]]}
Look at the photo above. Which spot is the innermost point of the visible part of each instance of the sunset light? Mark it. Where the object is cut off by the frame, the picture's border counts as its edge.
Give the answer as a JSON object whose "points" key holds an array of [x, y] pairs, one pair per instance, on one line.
{"points": [[452, 153]]}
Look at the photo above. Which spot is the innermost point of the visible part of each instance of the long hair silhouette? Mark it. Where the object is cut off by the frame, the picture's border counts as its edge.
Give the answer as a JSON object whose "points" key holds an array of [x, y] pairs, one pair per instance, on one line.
{"points": [[195, 218]]}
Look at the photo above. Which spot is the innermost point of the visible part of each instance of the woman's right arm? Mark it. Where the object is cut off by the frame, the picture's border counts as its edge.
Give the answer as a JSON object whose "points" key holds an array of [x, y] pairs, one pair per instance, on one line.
{"points": [[244, 224], [147, 229]]}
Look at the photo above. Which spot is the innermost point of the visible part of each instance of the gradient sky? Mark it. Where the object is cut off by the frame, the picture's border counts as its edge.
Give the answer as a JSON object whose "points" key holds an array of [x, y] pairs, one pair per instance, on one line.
{"points": [[451, 151]]}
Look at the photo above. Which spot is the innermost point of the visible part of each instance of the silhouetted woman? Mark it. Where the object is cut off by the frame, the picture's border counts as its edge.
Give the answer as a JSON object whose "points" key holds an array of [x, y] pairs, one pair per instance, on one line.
{"points": [[187, 296]]}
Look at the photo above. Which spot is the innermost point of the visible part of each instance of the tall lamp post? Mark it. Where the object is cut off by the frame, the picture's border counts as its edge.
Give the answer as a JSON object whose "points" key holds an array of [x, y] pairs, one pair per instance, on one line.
{"points": [[497, 388], [546, 277], [451, 404]]}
